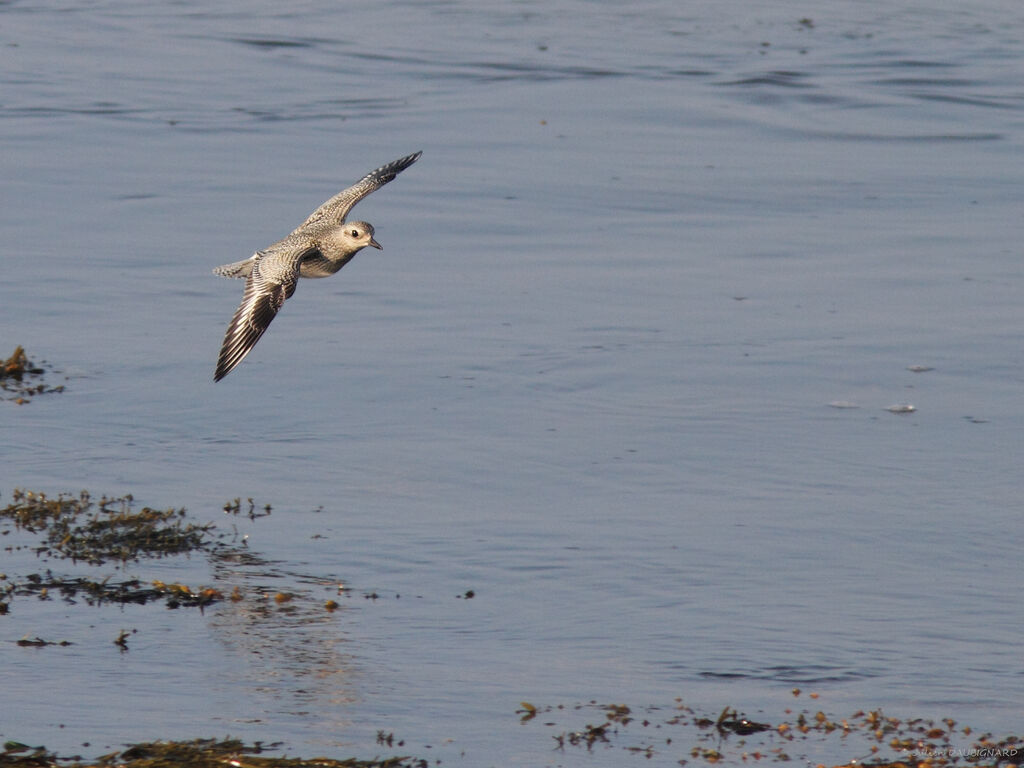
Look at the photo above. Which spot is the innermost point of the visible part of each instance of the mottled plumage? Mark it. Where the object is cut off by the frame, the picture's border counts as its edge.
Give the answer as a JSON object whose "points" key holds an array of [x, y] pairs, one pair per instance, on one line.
{"points": [[322, 245]]}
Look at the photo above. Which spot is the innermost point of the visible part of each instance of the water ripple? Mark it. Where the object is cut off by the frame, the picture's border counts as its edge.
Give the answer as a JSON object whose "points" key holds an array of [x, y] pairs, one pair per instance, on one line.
{"points": [[784, 79], [810, 675], [266, 42]]}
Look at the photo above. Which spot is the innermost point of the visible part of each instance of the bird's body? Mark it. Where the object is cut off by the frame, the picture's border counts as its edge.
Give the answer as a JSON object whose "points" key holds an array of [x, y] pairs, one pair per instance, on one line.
{"points": [[319, 247]]}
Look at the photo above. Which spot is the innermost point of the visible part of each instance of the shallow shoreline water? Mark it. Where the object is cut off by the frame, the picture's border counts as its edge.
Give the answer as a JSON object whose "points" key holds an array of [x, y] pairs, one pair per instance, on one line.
{"points": [[591, 377]]}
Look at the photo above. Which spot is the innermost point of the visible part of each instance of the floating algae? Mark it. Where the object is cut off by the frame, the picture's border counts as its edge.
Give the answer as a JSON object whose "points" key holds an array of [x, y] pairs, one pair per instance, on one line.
{"points": [[868, 739], [131, 591], [201, 753], [79, 529], [22, 378], [235, 508], [76, 528]]}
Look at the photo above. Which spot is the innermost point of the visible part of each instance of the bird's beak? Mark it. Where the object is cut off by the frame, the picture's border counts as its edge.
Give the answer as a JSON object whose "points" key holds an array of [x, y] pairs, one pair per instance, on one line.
{"points": [[375, 244]]}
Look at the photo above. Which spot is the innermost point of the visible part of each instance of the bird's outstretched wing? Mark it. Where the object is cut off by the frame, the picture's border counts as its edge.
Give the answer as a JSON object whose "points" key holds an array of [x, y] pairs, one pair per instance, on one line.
{"points": [[241, 268], [271, 281], [336, 209]]}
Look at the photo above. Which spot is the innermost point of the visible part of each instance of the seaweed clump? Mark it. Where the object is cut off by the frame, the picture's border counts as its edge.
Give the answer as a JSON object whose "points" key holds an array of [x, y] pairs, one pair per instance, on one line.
{"points": [[201, 753], [131, 591], [865, 739], [76, 528], [23, 378]]}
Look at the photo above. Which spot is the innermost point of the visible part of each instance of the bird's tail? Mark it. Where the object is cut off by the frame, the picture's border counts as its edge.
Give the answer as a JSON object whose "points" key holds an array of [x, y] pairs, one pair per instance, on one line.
{"points": [[241, 268]]}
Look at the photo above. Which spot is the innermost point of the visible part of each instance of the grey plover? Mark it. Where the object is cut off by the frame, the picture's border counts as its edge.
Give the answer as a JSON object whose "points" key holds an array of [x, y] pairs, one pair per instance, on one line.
{"points": [[319, 247]]}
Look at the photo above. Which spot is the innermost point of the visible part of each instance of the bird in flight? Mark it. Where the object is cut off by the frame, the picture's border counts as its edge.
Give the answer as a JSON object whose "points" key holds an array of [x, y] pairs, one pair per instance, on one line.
{"points": [[319, 247]]}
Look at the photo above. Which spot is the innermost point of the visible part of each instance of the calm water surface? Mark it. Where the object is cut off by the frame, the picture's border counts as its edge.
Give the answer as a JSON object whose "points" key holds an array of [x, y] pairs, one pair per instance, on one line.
{"points": [[592, 377]]}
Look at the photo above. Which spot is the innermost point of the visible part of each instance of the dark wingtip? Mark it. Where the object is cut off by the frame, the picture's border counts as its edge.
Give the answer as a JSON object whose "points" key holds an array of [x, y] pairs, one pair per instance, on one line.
{"points": [[388, 172], [226, 364], [405, 162]]}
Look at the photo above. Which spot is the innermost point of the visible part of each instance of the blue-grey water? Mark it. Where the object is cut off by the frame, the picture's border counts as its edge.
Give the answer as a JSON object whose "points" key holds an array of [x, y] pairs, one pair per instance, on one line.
{"points": [[622, 368]]}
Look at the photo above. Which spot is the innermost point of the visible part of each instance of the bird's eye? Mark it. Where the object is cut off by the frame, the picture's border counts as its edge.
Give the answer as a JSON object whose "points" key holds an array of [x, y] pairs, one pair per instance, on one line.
{"points": [[355, 233]]}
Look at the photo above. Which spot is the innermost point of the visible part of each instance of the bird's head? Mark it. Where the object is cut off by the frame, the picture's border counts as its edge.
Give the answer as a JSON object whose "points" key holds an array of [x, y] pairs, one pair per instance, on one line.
{"points": [[358, 234]]}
